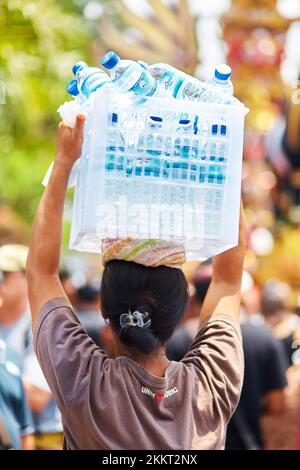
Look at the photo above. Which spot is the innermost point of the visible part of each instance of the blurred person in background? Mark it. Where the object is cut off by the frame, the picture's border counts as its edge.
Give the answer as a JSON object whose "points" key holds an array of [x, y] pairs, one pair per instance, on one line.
{"points": [[291, 147], [15, 418], [283, 432], [87, 309], [179, 343], [86, 302], [264, 380], [16, 426], [283, 322], [251, 301], [16, 333], [67, 284]]}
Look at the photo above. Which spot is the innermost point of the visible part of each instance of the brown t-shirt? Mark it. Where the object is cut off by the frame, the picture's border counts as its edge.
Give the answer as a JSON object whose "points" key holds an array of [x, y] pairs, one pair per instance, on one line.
{"points": [[117, 404]]}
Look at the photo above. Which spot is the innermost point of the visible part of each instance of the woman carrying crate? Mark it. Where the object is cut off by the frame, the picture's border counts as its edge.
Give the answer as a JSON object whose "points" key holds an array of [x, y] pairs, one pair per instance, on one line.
{"points": [[137, 399]]}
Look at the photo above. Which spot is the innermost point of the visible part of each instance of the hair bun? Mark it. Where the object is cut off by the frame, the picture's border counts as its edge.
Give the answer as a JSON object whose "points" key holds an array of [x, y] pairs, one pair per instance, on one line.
{"points": [[142, 339], [158, 294]]}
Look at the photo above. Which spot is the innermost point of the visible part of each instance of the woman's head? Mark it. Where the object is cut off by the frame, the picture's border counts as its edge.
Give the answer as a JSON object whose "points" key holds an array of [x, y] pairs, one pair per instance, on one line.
{"points": [[160, 294]]}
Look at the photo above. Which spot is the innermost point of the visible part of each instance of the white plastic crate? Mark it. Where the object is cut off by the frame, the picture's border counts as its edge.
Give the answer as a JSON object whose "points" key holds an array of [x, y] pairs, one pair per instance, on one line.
{"points": [[175, 181]]}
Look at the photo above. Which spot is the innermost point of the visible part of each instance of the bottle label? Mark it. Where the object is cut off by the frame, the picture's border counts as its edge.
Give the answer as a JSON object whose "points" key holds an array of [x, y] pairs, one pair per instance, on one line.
{"points": [[168, 80], [146, 85], [129, 78], [169, 84], [94, 81]]}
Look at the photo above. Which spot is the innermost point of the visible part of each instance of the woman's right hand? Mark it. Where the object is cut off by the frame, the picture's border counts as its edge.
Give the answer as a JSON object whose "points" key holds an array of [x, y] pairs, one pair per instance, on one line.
{"points": [[228, 266]]}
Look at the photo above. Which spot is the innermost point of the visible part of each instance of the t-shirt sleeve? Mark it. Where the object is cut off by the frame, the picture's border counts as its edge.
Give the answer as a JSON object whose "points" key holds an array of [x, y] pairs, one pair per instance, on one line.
{"points": [[217, 357], [65, 352]]}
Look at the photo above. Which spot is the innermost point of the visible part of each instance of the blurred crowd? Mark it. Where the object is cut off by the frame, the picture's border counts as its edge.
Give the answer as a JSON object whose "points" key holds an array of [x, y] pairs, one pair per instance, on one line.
{"points": [[268, 415]]}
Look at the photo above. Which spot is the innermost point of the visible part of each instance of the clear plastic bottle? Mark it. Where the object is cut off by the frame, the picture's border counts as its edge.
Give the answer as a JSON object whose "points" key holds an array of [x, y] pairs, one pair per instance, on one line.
{"points": [[179, 85], [154, 139], [183, 141], [116, 161], [72, 89], [129, 76], [195, 90], [221, 79], [149, 149], [89, 79], [169, 79]]}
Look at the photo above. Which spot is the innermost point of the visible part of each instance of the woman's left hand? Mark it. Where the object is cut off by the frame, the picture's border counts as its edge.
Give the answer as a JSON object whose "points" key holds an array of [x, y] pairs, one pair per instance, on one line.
{"points": [[69, 141]]}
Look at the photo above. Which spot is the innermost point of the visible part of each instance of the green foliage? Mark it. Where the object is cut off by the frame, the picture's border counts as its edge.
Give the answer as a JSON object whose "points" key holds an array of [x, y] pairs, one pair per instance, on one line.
{"points": [[39, 42]]}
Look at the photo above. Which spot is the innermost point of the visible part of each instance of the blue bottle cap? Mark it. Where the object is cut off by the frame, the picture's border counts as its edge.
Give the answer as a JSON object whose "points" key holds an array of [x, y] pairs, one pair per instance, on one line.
{"points": [[214, 129], [110, 60], [184, 121], [72, 88], [79, 66], [223, 72], [156, 118], [223, 129], [114, 118]]}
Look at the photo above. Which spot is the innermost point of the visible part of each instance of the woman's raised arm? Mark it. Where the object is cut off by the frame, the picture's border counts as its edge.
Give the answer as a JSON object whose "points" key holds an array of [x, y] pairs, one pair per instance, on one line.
{"points": [[224, 293]]}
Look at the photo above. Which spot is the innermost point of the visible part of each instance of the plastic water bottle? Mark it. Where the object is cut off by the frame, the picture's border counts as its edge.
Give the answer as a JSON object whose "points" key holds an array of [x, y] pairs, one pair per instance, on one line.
{"points": [[169, 79], [195, 90], [70, 109], [149, 148], [116, 161], [186, 146], [179, 85], [221, 79], [129, 76], [72, 89], [154, 146], [154, 139], [89, 79], [223, 151], [182, 142]]}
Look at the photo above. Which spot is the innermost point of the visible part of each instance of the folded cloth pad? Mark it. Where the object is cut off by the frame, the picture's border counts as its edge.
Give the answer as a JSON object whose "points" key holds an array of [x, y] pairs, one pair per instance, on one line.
{"points": [[150, 253]]}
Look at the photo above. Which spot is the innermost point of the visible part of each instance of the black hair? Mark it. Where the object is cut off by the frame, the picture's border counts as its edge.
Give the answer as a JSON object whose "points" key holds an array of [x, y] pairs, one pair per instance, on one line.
{"points": [[162, 292]]}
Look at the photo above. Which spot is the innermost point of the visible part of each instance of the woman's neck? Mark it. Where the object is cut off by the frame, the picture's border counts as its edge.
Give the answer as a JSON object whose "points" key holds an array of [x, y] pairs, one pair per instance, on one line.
{"points": [[156, 363]]}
